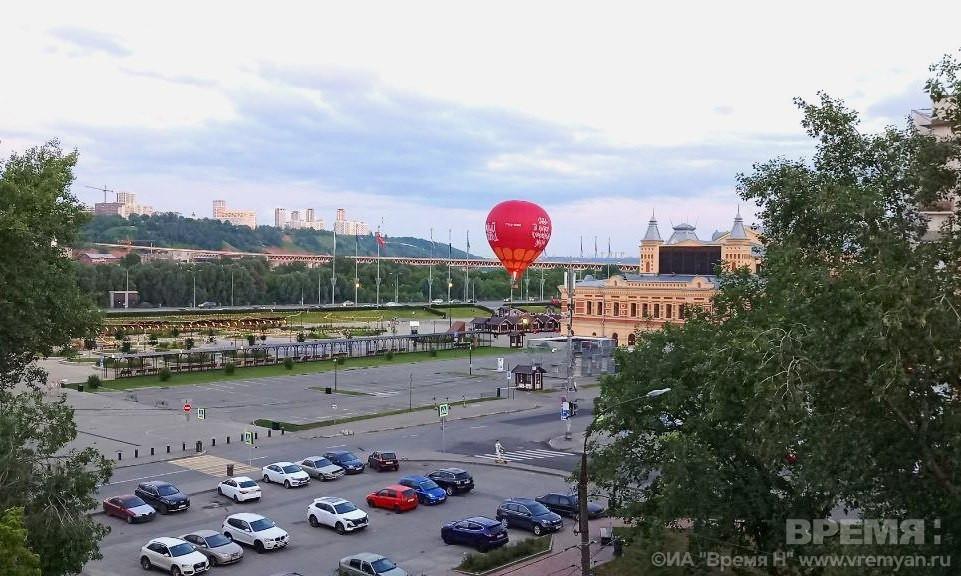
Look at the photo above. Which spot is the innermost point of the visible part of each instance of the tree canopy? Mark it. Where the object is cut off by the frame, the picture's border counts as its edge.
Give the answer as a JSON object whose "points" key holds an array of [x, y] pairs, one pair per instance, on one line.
{"points": [[826, 384], [43, 307]]}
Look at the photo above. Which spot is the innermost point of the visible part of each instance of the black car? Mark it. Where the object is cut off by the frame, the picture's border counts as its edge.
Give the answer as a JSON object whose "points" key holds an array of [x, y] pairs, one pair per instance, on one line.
{"points": [[453, 480], [566, 505], [530, 515], [346, 460], [477, 531], [383, 461], [163, 496]]}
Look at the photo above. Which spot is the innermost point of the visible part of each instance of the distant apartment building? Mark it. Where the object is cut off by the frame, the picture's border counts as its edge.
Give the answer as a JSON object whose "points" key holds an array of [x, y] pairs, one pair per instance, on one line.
{"points": [[125, 205], [236, 217], [933, 121], [280, 217], [294, 220], [349, 227]]}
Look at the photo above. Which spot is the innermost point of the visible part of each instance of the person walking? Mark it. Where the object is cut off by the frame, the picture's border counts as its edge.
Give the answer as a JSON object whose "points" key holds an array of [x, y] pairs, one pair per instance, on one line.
{"points": [[499, 453]]}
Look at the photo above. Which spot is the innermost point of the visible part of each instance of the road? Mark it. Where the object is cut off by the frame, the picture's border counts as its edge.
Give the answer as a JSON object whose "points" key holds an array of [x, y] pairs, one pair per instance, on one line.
{"points": [[492, 304]]}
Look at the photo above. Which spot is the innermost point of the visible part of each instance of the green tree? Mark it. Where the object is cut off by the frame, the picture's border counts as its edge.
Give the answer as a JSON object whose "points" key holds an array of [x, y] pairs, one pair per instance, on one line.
{"points": [[17, 558], [828, 380], [43, 307]]}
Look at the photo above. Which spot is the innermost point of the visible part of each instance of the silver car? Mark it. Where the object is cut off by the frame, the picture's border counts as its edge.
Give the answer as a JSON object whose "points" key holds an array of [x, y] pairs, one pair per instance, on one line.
{"points": [[321, 468], [368, 564], [215, 546]]}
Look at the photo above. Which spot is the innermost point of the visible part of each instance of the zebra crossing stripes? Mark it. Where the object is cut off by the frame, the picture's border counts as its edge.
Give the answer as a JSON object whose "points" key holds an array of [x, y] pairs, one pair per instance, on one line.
{"points": [[518, 455], [215, 466]]}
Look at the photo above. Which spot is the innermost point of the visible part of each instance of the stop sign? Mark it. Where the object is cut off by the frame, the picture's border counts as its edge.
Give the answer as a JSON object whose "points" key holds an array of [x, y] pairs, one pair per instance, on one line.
{"points": [[186, 407]]}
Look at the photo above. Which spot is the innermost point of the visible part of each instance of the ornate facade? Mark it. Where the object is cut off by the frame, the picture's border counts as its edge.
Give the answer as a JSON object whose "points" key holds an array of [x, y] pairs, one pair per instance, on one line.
{"points": [[675, 275]]}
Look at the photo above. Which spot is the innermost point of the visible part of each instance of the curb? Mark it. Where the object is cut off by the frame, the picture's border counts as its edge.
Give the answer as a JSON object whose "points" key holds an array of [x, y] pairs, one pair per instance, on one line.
{"points": [[536, 406]]}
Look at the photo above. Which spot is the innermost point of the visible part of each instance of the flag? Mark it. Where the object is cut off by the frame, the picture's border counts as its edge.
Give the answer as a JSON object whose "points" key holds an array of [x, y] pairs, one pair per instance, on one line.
{"points": [[380, 240]]}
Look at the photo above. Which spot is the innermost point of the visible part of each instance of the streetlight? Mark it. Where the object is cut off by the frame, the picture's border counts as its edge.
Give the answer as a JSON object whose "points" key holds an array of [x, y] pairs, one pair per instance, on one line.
{"points": [[396, 286], [582, 482], [231, 287]]}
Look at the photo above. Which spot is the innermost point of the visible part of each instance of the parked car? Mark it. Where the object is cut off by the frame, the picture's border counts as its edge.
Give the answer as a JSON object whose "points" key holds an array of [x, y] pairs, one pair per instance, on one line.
{"points": [[240, 488], [478, 531], [339, 514], [566, 505], [163, 496], [367, 564], [173, 555], [129, 507], [453, 480], [391, 304], [255, 530], [286, 473], [394, 497], [322, 468], [346, 303], [346, 460], [383, 461], [207, 304], [218, 549], [530, 515], [454, 301], [428, 492], [437, 301]]}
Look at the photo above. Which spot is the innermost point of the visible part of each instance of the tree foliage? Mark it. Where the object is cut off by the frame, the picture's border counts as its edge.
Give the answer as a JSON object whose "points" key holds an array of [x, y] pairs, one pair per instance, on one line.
{"points": [[43, 307], [829, 381], [17, 558]]}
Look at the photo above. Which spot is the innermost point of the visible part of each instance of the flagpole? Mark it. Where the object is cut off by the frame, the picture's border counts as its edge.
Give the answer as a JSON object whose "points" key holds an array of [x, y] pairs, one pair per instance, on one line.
{"points": [[356, 260], [430, 275], [378, 265], [450, 284], [333, 270], [467, 271]]}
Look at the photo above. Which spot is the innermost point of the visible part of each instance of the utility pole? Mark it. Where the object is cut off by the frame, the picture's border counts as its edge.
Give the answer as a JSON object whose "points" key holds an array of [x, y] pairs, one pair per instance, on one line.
{"points": [[333, 273], [194, 273], [467, 271], [231, 287], [430, 274]]}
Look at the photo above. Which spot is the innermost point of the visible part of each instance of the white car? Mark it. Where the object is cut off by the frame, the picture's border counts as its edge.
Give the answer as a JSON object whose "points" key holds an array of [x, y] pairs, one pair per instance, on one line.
{"points": [[254, 530], [320, 467], [286, 473], [173, 555], [346, 303], [339, 514], [240, 488], [437, 301]]}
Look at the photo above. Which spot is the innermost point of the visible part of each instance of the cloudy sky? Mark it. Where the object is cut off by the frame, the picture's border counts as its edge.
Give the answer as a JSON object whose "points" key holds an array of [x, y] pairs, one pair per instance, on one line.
{"points": [[427, 114]]}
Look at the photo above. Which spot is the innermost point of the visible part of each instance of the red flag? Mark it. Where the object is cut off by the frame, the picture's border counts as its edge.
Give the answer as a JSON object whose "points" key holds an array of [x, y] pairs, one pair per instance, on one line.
{"points": [[380, 240]]}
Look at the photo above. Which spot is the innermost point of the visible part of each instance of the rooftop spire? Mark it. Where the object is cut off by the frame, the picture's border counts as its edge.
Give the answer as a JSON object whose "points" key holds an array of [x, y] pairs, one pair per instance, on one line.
{"points": [[652, 232], [737, 231]]}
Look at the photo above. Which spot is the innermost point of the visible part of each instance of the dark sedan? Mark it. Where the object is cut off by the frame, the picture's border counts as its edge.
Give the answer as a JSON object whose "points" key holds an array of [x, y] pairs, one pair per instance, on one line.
{"points": [[129, 507], [566, 505], [346, 460], [453, 480], [478, 531], [530, 515]]}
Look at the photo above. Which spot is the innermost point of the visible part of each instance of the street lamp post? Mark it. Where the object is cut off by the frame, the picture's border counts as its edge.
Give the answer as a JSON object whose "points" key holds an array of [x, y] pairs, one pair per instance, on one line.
{"points": [[194, 273], [231, 287], [396, 286], [582, 482]]}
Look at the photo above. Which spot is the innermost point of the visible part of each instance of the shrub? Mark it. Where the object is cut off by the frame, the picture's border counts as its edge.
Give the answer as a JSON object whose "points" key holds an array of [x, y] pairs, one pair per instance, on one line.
{"points": [[301, 336], [263, 337], [93, 381], [289, 363], [153, 340], [313, 335], [389, 355], [164, 374], [482, 562], [119, 334], [251, 339], [433, 352], [175, 331], [188, 343], [125, 347], [89, 343], [230, 368]]}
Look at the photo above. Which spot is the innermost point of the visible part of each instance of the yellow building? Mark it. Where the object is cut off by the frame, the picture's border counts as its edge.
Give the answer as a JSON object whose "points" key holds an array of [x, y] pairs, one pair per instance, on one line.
{"points": [[675, 275], [236, 217]]}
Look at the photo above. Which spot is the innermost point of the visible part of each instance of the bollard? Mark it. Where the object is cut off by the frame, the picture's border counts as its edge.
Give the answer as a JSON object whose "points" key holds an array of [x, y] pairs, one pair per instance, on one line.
{"points": [[213, 442], [228, 439], [136, 453], [230, 470], [185, 447], [282, 431], [119, 456], [255, 435], [200, 446], [168, 448], [268, 432], [151, 451]]}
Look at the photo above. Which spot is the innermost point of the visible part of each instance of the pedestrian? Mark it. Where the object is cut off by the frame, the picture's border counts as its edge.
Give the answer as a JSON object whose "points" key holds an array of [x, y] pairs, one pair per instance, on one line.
{"points": [[499, 452]]}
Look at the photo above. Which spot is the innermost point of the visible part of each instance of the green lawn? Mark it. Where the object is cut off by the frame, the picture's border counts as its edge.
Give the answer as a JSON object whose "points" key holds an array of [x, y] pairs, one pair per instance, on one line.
{"points": [[183, 378], [360, 315]]}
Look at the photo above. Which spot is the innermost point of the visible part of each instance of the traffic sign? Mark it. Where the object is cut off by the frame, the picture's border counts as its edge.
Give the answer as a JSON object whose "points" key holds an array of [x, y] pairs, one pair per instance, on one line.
{"points": [[248, 437], [565, 414], [443, 410], [201, 413], [186, 407]]}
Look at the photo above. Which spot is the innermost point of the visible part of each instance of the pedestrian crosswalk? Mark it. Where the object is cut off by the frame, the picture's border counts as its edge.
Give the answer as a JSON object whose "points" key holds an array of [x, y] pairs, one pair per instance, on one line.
{"points": [[215, 466], [518, 455]]}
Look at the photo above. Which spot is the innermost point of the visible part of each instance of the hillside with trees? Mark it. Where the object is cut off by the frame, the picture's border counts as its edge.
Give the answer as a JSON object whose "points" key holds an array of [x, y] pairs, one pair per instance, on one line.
{"points": [[170, 230]]}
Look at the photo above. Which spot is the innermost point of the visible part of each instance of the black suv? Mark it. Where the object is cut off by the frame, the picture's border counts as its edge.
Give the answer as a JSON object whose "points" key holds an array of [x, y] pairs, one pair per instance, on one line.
{"points": [[163, 496], [566, 505], [453, 480], [383, 461], [530, 515]]}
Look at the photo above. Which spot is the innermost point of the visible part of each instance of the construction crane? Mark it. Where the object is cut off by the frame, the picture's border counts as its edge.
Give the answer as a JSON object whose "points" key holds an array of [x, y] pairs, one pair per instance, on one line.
{"points": [[104, 189]]}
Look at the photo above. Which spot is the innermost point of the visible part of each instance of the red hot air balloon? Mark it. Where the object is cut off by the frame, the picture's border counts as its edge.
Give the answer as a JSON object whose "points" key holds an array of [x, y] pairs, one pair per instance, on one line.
{"points": [[518, 232]]}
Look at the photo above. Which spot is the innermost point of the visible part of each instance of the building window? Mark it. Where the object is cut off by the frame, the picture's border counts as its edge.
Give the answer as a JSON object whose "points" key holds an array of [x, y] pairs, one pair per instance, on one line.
{"points": [[617, 309], [633, 310], [645, 311], [600, 308], [631, 339], [681, 309], [647, 266], [657, 310], [590, 307], [667, 311]]}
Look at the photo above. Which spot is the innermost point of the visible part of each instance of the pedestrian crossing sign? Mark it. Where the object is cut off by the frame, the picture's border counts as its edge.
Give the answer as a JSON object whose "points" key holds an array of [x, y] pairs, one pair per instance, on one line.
{"points": [[443, 410], [201, 413], [248, 437]]}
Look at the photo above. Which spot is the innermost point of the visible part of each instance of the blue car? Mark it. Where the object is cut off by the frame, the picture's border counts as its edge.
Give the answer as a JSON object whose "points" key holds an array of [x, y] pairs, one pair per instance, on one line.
{"points": [[346, 460], [428, 492], [478, 531]]}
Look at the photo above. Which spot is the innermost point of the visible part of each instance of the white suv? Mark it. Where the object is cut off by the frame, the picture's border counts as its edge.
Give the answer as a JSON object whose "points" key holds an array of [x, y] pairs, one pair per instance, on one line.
{"points": [[339, 514], [255, 530], [173, 555], [286, 473]]}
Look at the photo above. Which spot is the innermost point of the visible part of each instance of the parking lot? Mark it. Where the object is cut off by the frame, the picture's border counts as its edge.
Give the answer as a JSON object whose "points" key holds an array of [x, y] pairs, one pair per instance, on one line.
{"points": [[411, 539]]}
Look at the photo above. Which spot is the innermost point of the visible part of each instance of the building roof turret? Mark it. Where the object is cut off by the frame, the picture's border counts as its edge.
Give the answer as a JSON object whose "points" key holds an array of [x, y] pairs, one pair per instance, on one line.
{"points": [[737, 231], [652, 235]]}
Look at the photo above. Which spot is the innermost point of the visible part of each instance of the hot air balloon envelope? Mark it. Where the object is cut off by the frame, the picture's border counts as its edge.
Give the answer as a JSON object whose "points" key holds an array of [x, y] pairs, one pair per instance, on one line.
{"points": [[518, 231]]}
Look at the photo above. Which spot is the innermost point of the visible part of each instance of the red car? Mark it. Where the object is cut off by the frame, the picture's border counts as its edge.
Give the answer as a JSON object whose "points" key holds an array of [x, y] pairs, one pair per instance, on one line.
{"points": [[129, 507], [394, 497]]}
